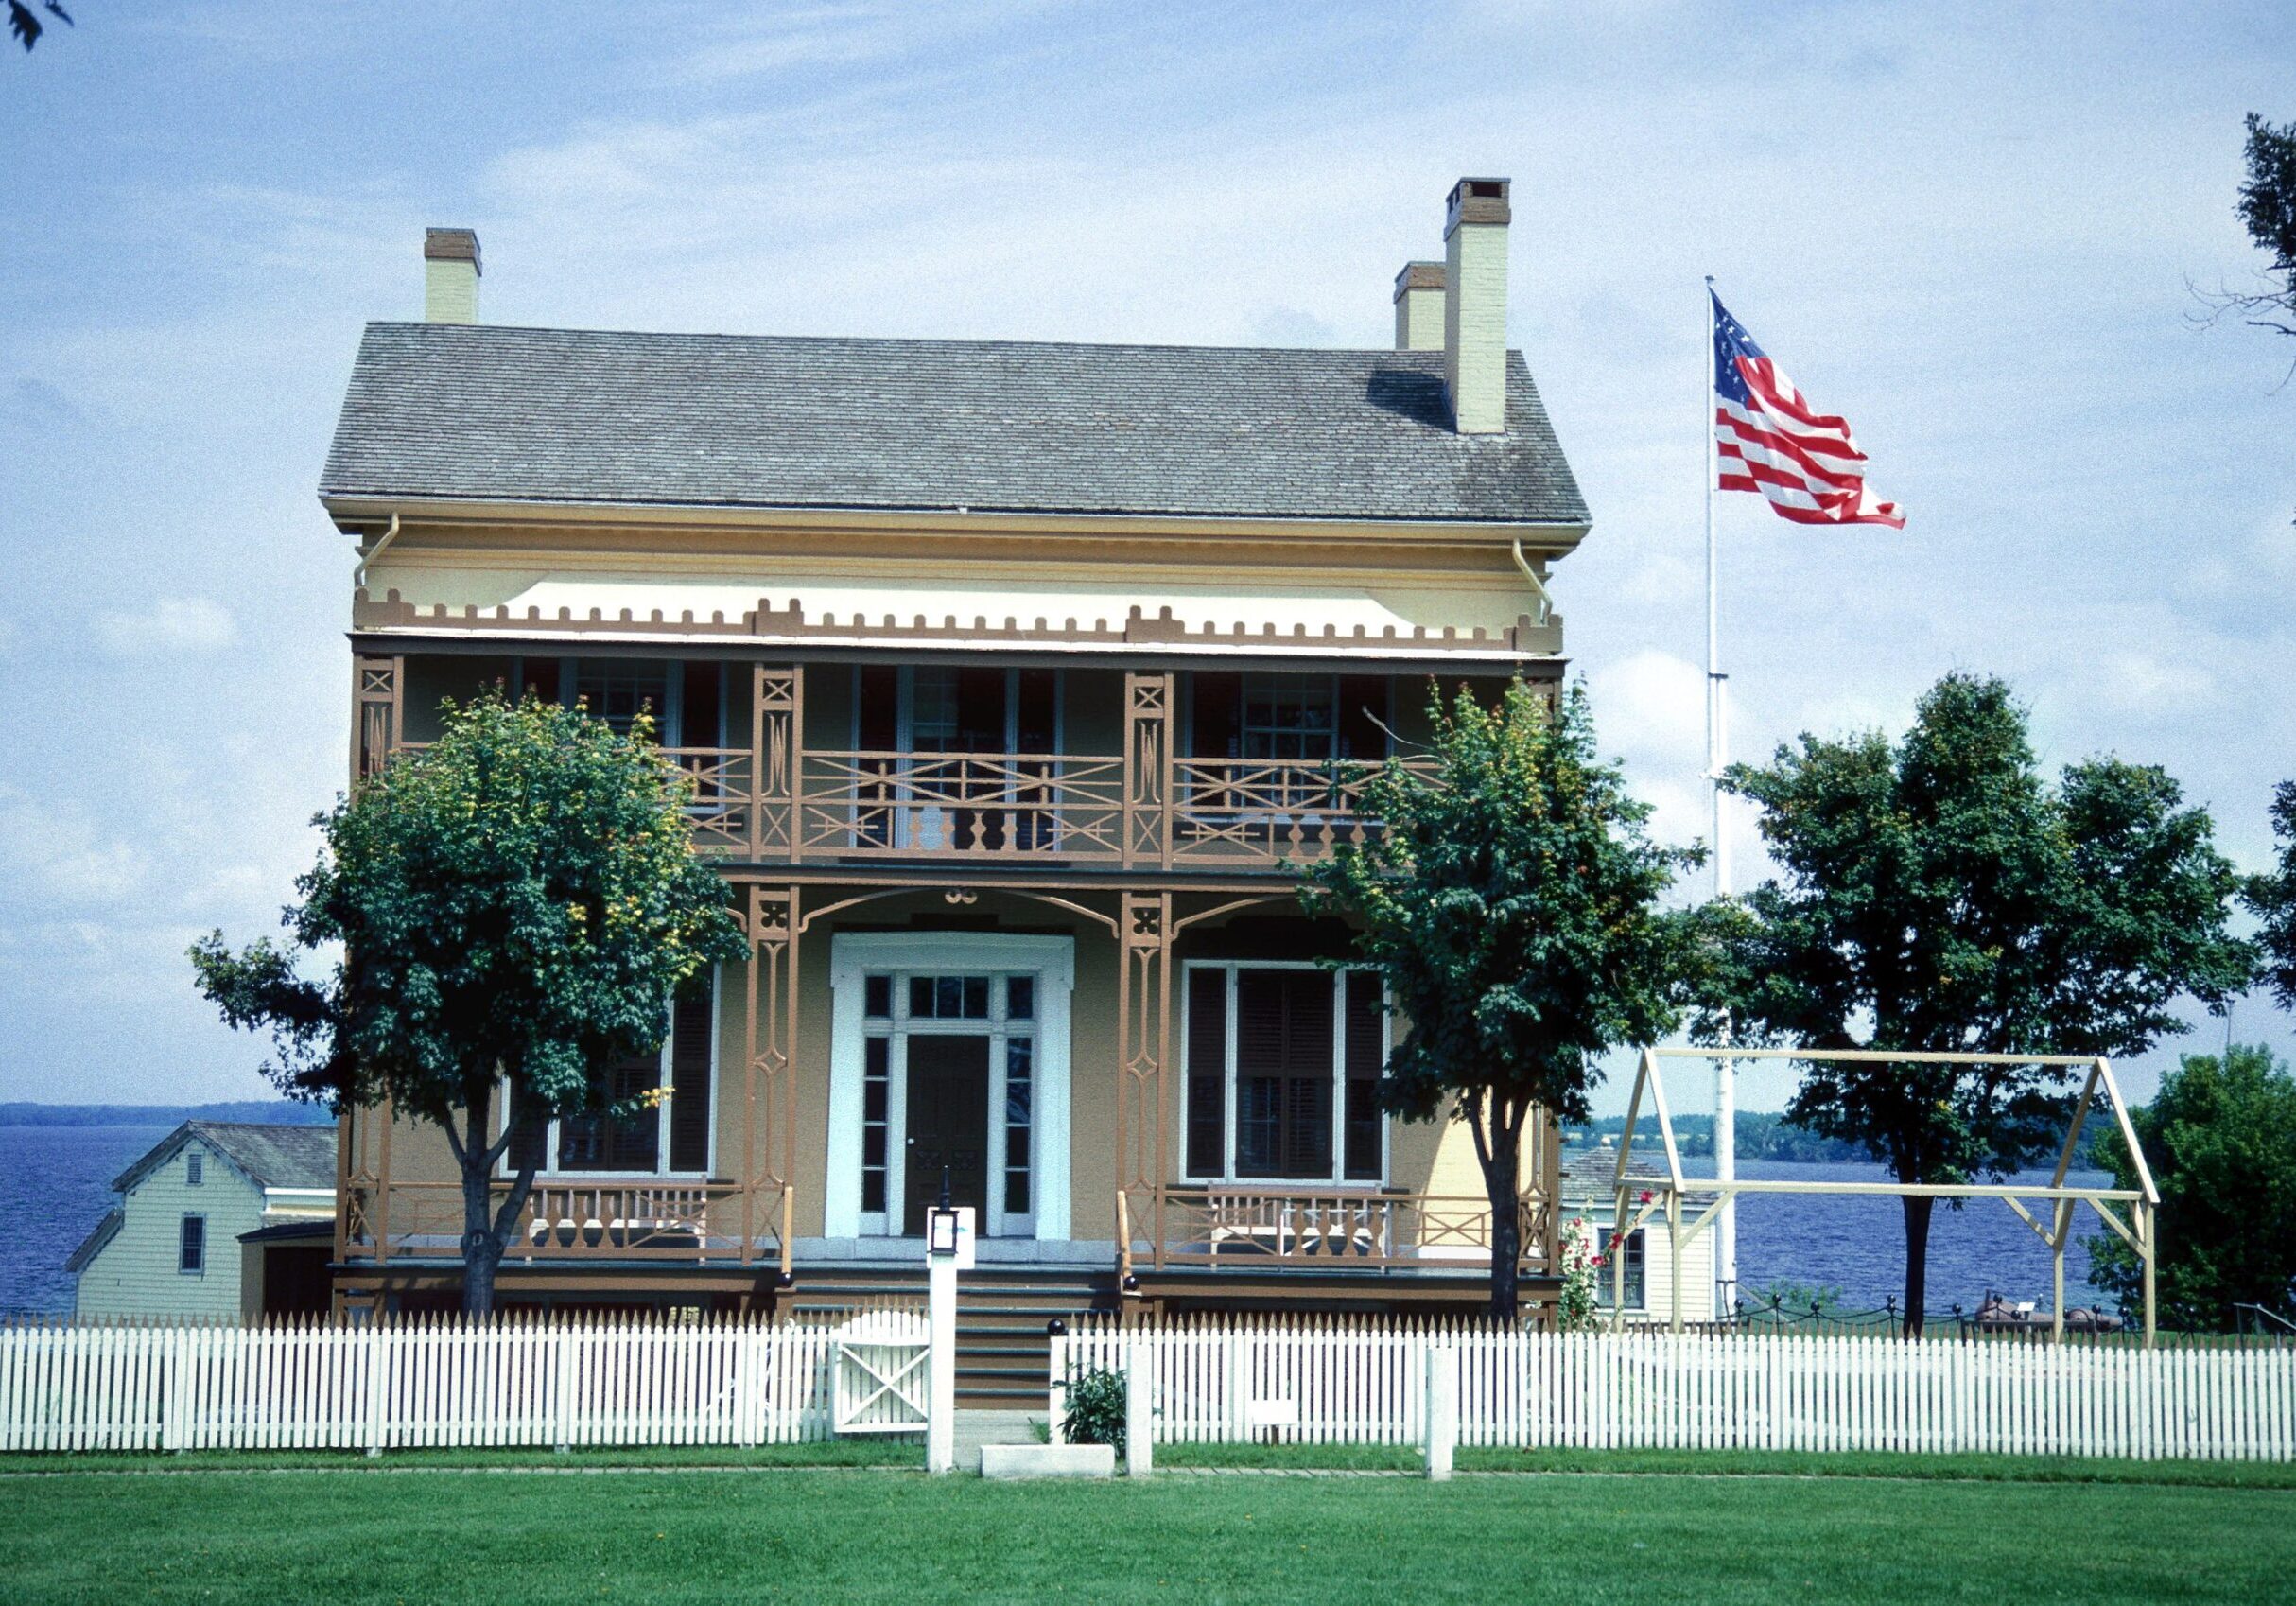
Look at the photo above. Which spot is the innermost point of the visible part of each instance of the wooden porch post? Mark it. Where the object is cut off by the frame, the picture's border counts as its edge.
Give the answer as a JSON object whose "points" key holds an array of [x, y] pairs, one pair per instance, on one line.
{"points": [[378, 709], [776, 715], [768, 1031], [1143, 1002], [1147, 769]]}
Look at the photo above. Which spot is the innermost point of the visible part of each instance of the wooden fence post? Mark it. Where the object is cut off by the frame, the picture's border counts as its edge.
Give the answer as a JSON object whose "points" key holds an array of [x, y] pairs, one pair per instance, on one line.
{"points": [[375, 1352], [1139, 1408], [1442, 1416]]}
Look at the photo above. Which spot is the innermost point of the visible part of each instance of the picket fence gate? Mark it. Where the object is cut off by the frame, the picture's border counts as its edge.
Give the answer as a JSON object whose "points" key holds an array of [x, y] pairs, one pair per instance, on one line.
{"points": [[415, 1384], [1363, 1382]]}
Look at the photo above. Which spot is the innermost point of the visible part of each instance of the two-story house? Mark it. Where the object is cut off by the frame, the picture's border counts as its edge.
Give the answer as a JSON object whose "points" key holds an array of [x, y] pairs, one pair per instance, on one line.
{"points": [[1012, 677]]}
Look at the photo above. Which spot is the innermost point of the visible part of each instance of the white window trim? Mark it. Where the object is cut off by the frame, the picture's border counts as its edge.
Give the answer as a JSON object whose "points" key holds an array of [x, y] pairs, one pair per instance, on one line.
{"points": [[201, 1269], [1051, 960], [1338, 1181]]}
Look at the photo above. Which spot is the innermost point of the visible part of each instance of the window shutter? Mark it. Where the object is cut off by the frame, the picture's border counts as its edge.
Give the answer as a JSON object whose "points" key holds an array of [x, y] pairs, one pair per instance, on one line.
{"points": [[529, 1148], [1039, 711], [1206, 1072], [1284, 1074], [691, 1098], [1216, 708], [538, 678], [1364, 702], [1367, 1055], [880, 707], [698, 714]]}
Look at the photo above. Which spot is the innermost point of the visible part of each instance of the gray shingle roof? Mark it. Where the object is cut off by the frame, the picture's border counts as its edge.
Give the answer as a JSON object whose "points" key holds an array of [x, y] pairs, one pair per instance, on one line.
{"points": [[477, 412], [271, 1155]]}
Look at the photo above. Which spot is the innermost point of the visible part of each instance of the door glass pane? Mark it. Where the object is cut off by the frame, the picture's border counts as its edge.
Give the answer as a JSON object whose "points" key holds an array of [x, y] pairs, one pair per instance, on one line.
{"points": [[877, 1082], [1020, 1105]]}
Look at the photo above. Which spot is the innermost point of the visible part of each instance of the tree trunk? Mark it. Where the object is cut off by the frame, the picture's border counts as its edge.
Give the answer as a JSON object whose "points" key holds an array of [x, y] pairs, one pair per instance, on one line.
{"points": [[1917, 1208], [481, 1244], [1502, 1185]]}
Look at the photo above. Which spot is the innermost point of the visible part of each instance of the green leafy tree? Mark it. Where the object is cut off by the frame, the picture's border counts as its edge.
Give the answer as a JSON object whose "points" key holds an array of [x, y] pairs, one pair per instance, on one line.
{"points": [[2273, 896], [2267, 210], [2220, 1139], [513, 907], [26, 25], [1941, 896], [1511, 903]]}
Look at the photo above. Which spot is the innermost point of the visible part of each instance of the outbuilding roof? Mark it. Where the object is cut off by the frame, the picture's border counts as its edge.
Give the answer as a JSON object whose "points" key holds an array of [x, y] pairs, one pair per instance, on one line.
{"points": [[485, 412], [271, 1155]]}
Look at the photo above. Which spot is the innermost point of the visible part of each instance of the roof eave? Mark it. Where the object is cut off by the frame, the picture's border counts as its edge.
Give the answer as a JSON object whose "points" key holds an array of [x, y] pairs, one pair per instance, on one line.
{"points": [[1547, 536]]}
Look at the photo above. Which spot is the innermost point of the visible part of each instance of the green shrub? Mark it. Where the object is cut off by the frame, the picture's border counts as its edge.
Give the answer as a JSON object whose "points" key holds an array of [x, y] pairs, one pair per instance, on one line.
{"points": [[1096, 1408]]}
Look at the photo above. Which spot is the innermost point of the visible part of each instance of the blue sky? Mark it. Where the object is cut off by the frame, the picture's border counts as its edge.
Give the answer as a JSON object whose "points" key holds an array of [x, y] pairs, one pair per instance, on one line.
{"points": [[1968, 229]]}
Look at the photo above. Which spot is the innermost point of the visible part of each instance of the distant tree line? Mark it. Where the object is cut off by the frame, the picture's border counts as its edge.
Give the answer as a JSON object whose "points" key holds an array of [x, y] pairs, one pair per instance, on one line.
{"points": [[1758, 1134]]}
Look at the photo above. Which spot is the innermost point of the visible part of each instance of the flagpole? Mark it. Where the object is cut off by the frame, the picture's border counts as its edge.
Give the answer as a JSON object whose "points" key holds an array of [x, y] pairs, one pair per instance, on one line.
{"points": [[1717, 759]]}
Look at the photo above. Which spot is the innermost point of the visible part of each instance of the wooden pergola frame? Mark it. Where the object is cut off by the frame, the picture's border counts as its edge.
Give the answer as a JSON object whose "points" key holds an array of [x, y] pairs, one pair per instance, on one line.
{"points": [[1669, 1194]]}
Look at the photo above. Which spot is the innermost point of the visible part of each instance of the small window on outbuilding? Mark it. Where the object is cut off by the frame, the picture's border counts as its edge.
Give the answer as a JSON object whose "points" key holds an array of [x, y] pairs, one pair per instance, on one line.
{"points": [[191, 1253], [194, 1168]]}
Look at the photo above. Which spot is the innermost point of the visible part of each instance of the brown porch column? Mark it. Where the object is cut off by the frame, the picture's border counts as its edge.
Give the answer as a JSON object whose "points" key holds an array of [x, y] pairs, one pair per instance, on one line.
{"points": [[1148, 768], [769, 1037], [1143, 1002], [378, 711], [776, 722]]}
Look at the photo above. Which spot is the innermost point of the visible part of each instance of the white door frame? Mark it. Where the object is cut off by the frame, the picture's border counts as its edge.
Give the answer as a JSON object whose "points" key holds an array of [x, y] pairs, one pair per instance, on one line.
{"points": [[1051, 960]]}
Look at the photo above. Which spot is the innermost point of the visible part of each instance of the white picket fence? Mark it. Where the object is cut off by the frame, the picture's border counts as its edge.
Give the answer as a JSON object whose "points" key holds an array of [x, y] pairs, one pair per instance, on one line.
{"points": [[414, 1385], [1362, 1382]]}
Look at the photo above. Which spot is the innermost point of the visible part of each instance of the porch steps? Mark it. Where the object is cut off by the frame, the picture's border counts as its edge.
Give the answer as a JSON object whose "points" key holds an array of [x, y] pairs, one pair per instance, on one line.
{"points": [[1002, 1312]]}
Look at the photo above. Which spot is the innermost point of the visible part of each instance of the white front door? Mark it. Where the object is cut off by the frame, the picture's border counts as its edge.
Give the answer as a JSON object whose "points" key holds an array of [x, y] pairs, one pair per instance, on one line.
{"points": [[950, 1057]]}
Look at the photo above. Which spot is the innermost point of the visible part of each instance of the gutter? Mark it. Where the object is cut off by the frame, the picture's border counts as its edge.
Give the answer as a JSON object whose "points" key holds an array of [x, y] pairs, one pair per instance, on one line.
{"points": [[1546, 603], [359, 580]]}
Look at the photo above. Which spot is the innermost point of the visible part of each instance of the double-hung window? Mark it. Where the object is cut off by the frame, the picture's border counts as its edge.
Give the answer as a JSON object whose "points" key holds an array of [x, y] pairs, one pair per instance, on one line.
{"points": [[649, 1115], [1605, 1283], [1283, 1064], [191, 1246]]}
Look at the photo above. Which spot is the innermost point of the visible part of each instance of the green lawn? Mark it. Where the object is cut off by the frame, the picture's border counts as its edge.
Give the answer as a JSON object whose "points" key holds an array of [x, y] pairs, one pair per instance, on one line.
{"points": [[439, 1535]]}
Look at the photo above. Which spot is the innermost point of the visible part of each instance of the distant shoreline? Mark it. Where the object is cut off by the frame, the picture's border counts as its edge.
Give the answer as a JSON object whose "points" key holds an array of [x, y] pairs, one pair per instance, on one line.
{"points": [[275, 1111]]}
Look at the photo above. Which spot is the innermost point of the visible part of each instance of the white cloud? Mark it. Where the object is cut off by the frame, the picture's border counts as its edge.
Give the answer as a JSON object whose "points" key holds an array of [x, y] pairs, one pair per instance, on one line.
{"points": [[1650, 708], [2143, 683], [171, 626], [55, 856]]}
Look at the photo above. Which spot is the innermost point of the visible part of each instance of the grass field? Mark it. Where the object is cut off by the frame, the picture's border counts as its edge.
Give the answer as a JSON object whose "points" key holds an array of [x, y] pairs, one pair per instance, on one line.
{"points": [[435, 1534]]}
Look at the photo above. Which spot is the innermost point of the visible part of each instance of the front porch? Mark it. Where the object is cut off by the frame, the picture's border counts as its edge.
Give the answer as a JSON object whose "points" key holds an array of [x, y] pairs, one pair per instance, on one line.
{"points": [[1166, 1087]]}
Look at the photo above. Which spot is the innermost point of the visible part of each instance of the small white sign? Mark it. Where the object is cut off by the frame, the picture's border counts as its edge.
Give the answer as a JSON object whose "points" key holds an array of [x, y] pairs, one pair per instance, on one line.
{"points": [[1271, 1413]]}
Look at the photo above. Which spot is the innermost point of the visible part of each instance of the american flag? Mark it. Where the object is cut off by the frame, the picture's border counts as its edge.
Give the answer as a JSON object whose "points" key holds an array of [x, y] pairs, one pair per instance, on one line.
{"points": [[1768, 438]]}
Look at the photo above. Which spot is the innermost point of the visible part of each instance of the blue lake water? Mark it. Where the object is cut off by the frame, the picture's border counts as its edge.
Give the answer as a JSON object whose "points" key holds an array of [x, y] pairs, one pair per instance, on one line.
{"points": [[55, 1185], [1859, 1245]]}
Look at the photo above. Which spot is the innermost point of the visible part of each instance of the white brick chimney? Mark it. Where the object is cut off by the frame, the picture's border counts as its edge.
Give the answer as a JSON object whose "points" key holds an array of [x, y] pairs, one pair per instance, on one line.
{"points": [[1474, 306], [1418, 306], [450, 277]]}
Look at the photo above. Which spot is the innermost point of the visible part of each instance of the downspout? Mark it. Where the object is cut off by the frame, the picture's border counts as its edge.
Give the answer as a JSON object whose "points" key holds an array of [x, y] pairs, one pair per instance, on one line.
{"points": [[1546, 603], [358, 581]]}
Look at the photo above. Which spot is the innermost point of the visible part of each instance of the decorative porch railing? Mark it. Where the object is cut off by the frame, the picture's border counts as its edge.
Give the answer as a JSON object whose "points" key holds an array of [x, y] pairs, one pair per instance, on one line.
{"points": [[1080, 809], [634, 1219], [1242, 1228], [962, 805]]}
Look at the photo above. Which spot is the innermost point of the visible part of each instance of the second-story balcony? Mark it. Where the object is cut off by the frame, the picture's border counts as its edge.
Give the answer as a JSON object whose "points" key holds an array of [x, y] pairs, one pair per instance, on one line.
{"points": [[1078, 808], [1207, 771]]}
